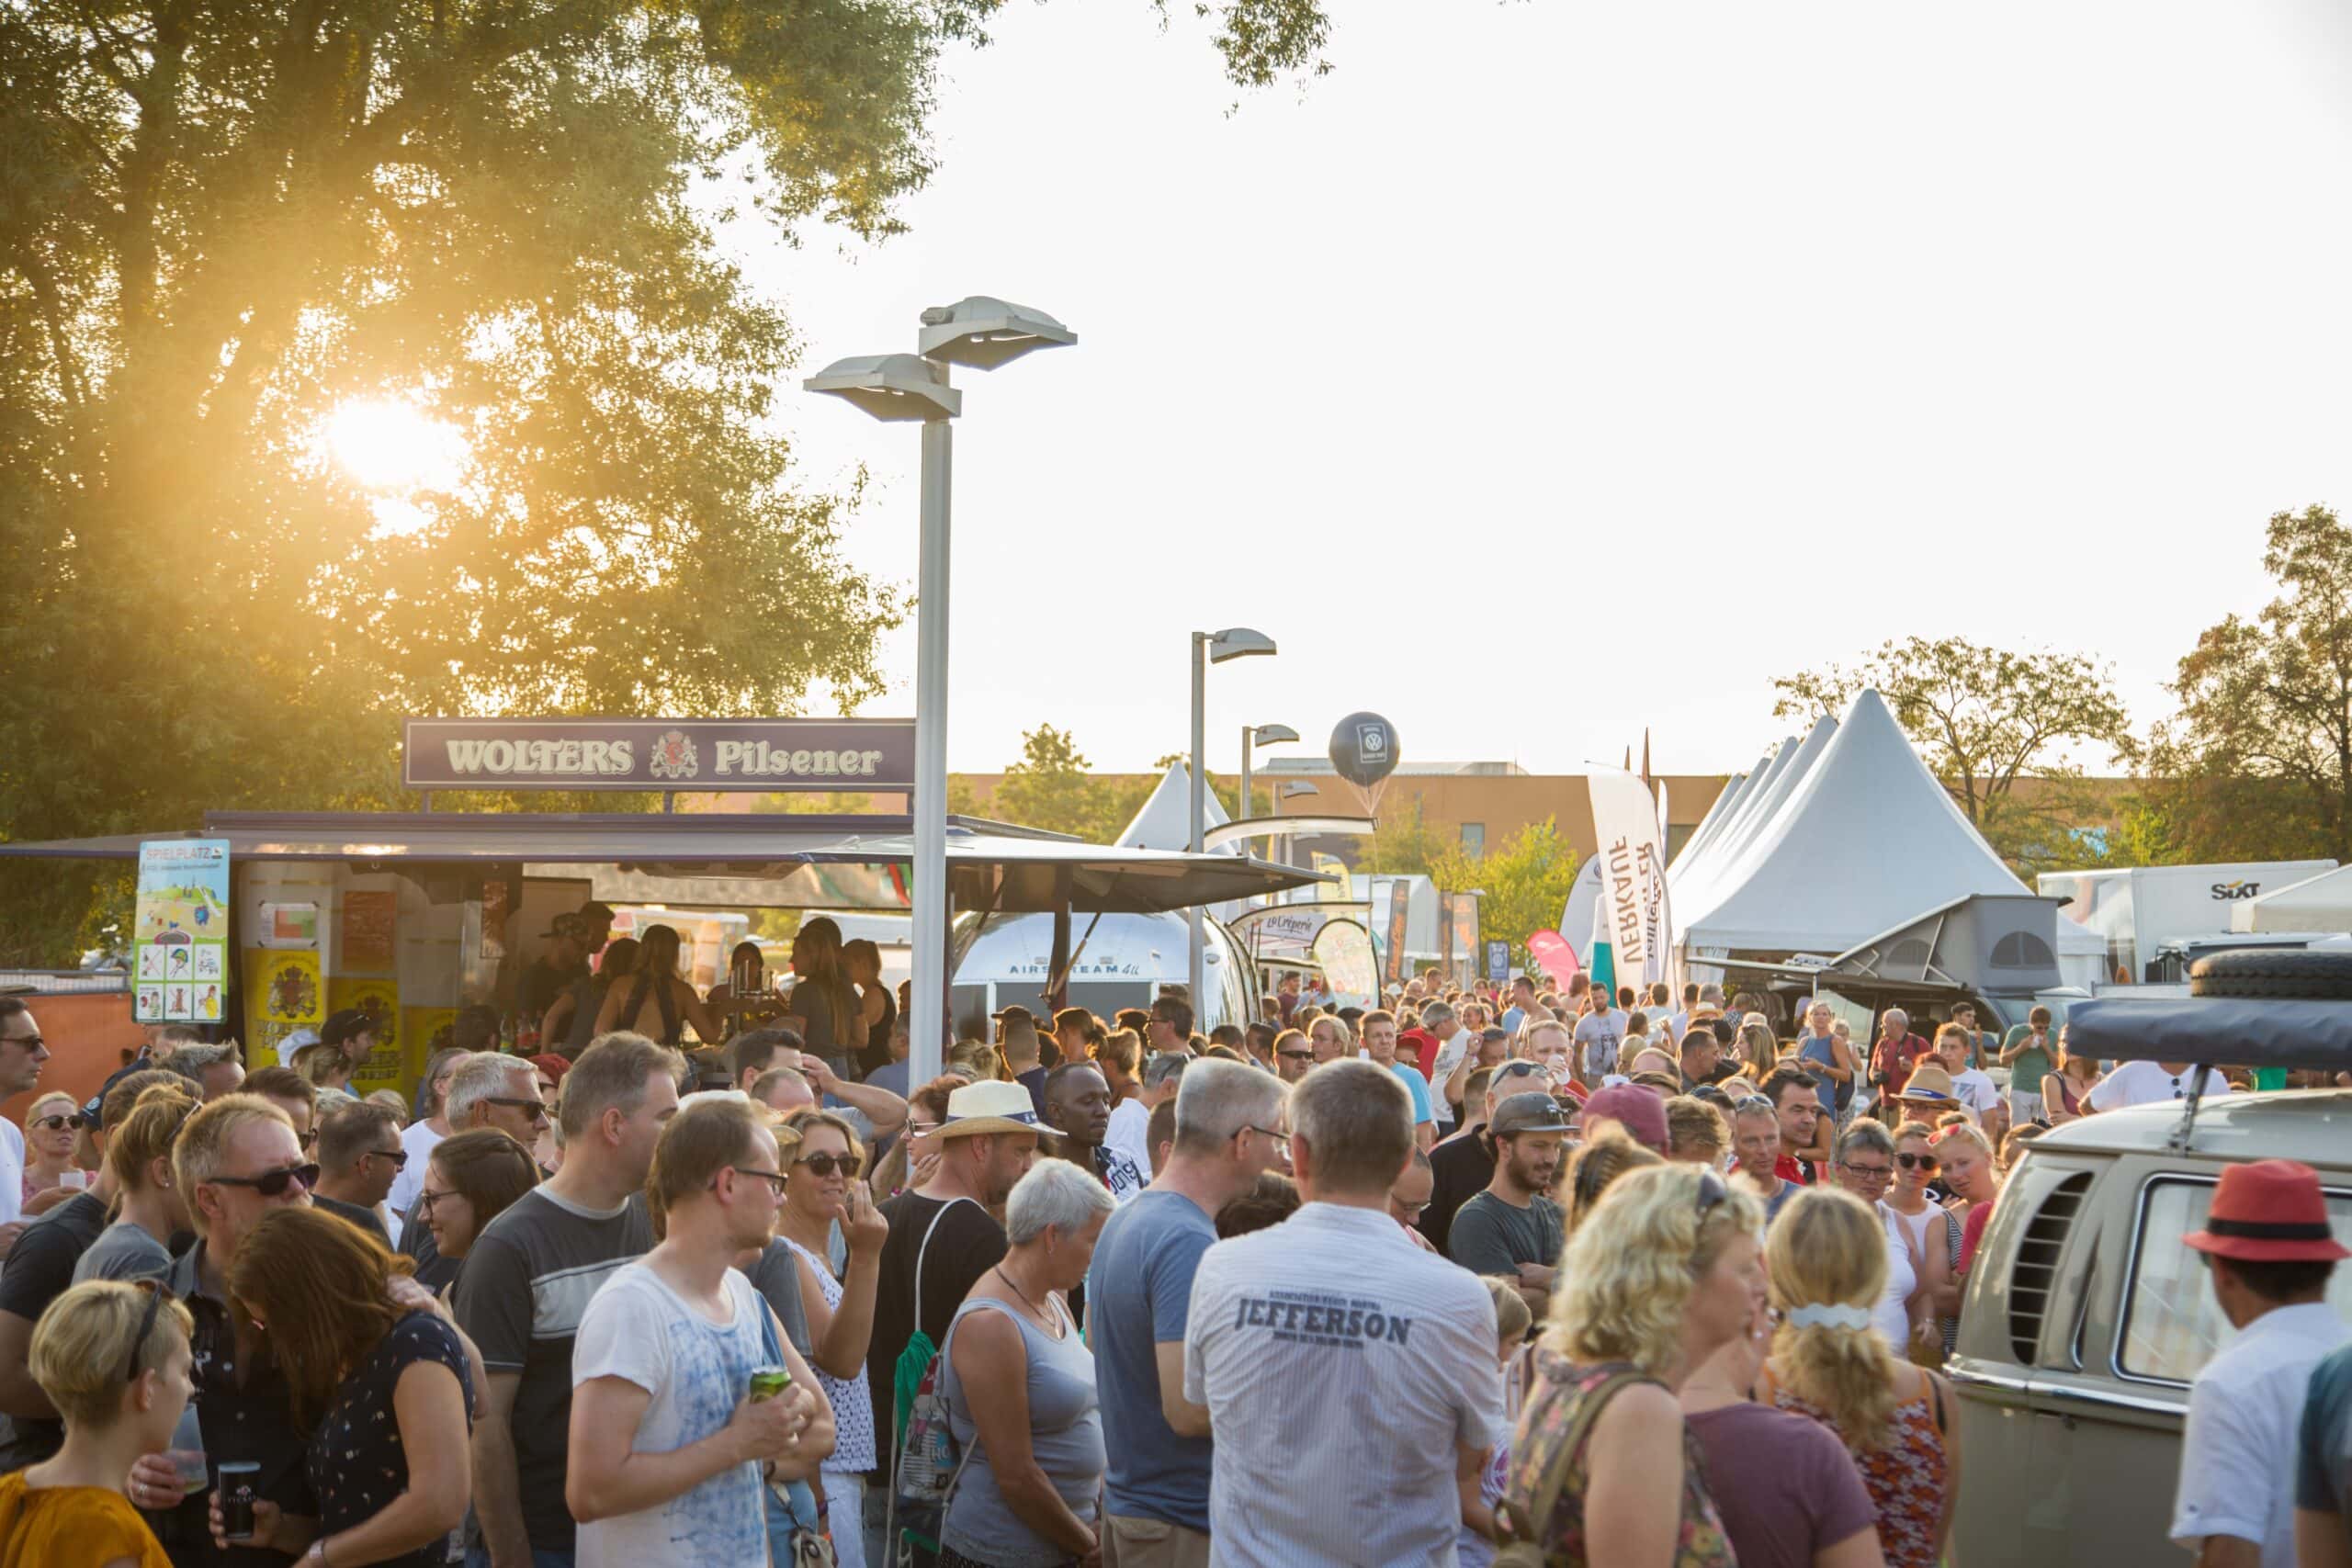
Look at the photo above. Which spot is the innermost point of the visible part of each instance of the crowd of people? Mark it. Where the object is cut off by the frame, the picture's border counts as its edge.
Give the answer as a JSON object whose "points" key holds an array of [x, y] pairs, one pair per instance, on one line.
{"points": [[1479, 1275]]}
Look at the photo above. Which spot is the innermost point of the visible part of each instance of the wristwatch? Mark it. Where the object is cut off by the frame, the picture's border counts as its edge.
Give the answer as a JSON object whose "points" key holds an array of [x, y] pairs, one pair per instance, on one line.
{"points": [[317, 1555]]}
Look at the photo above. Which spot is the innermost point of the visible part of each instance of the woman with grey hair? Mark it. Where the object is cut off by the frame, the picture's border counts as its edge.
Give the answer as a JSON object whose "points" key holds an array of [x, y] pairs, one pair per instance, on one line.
{"points": [[1019, 1384]]}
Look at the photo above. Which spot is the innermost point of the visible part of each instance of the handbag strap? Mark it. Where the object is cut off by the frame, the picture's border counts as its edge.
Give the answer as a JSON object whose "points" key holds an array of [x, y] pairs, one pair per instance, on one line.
{"points": [[924, 1249], [1554, 1478]]}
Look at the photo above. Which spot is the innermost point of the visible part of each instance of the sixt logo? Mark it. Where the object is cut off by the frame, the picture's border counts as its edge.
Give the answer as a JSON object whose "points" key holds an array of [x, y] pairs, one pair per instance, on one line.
{"points": [[2229, 892]]}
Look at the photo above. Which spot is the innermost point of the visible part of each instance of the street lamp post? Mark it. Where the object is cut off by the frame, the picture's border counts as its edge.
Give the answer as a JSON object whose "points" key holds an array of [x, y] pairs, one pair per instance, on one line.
{"points": [[981, 332], [1208, 648], [1262, 735]]}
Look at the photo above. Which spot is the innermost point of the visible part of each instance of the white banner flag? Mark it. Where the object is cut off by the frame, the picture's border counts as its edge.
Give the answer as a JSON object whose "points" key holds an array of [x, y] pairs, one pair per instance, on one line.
{"points": [[1632, 869]]}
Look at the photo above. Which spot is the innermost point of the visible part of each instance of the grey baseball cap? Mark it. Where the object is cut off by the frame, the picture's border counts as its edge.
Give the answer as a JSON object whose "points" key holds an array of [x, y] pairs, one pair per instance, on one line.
{"points": [[1527, 1113]]}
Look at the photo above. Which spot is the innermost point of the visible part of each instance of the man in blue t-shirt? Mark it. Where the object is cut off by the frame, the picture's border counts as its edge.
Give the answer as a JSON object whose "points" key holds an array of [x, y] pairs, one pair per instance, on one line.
{"points": [[1139, 1289], [1380, 1044]]}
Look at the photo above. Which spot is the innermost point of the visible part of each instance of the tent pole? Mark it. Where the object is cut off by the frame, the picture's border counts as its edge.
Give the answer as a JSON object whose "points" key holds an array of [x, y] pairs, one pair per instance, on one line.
{"points": [[1057, 968]]}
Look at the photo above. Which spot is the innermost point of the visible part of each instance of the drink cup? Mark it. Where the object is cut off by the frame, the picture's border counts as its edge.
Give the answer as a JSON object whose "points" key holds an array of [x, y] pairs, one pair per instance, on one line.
{"points": [[239, 1481], [187, 1452]]}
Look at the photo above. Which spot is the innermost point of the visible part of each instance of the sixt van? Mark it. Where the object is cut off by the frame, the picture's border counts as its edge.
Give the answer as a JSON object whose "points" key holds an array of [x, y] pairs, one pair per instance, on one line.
{"points": [[2141, 909]]}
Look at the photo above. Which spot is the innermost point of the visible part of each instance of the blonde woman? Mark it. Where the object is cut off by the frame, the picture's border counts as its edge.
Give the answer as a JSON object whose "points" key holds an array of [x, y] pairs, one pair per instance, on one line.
{"points": [[1828, 1260], [1934, 1230], [51, 1123], [1974, 1181], [1758, 1048], [150, 1205], [114, 1360], [1663, 1272]]}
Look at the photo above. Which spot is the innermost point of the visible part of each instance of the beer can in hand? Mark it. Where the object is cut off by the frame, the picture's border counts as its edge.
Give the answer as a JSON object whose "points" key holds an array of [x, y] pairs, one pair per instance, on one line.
{"points": [[769, 1382], [239, 1482]]}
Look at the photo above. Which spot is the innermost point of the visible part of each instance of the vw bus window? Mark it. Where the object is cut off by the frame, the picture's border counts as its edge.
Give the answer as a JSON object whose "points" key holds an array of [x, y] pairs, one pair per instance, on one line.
{"points": [[2172, 1325]]}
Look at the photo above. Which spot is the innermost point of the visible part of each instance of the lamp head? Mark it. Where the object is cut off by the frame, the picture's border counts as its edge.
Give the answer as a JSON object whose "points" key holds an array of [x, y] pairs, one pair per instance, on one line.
{"points": [[985, 333], [1271, 734], [1237, 642], [890, 387]]}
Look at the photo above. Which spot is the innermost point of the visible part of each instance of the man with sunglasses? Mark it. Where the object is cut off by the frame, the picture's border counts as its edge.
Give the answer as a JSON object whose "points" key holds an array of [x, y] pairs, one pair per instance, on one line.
{"points": [[1229, 1130], [359, 1154], [22, 1052], [1292, 1055], [501, 1092], [234, 1160]]}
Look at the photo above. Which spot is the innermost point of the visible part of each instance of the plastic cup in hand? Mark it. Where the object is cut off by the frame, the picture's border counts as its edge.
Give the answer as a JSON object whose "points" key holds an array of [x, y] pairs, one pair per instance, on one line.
{"points": [[187, 1453]]}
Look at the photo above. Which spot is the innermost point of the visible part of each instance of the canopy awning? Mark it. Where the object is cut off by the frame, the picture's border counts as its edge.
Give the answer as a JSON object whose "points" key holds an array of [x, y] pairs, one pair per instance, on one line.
{"points": [[779, 861], [2239, 1030]]}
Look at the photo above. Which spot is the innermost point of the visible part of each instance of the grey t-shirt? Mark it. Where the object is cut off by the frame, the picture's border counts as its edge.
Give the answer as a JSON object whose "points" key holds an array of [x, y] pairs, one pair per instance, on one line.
{"points": [[526, 1284], [1490, 1237], [124, 1251], [773, 1274], [1139, 1295]]}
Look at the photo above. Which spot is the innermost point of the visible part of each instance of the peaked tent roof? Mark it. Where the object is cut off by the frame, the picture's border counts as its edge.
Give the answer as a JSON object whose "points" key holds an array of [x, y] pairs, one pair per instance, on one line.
{"points": [[1720, 869], [1726, 807], [1164, 822], [1867, 839]]}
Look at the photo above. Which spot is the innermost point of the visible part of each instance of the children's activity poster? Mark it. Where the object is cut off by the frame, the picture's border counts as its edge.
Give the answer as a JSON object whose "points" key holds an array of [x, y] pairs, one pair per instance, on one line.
{"points": [[180, 934]]}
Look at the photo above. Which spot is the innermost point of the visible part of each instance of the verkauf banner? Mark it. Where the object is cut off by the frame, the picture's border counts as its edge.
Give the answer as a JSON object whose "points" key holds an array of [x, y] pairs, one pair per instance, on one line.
{"points": [[757, 754], [1632, 907]]}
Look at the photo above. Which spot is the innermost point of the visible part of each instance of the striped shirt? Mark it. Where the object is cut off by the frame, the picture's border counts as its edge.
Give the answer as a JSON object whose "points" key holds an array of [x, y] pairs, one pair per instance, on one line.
{"points": [[1341, 1365]]}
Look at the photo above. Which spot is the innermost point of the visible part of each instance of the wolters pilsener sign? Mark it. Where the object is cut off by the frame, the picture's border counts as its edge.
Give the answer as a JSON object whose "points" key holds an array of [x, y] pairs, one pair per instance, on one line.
{"points": [[755, 754]]}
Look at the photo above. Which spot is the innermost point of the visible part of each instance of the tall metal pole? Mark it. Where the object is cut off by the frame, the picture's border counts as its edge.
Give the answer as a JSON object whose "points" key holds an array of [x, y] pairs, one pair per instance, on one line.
{"points": [[1195, 821], [1249, 806], [927, 1028]]}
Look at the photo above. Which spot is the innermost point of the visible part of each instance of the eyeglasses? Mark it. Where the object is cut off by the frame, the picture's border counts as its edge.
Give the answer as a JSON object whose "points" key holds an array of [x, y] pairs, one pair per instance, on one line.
{"points": [[1870, 1172], [1306, 1054], [774, 1179], [1410, 1211], [28, 1042], [398, 1156], [156, 1296], [425, 1201], [536, 1109], [272, 1184], [52, 1123], [827, 1163], [1917, 1162]]}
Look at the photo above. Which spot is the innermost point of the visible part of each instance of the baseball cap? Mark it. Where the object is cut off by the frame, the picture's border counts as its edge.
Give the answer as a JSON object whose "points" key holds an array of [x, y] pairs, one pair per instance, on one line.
{"points": [[338, 1027], [1527, 1113]]}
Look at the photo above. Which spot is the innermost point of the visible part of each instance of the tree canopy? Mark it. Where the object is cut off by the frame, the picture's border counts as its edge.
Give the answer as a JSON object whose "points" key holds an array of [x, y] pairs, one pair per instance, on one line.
{"points": [[2257, 764], [220, 226], [1526, 879], [1996, 727]]}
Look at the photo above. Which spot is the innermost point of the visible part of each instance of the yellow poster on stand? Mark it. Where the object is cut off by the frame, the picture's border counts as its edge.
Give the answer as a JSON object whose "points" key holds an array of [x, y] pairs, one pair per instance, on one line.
{"points": [[381, 1000], [423, 1032]]}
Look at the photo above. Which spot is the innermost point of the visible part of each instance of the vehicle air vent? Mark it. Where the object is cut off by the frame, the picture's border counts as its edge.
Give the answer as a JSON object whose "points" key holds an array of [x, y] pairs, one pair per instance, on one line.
{"points": [[2035, 1274]]}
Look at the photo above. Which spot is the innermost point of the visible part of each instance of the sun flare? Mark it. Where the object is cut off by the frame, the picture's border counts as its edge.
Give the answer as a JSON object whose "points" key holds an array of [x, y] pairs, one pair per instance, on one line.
{"points": [[392, 447]]}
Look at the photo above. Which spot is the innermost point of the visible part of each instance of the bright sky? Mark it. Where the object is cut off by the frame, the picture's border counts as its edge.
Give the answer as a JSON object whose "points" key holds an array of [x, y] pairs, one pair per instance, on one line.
{"points": [[1555, 369]]}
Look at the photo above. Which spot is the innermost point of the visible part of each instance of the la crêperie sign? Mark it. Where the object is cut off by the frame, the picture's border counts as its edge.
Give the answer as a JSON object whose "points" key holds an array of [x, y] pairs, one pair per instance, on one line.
{"points": [[758, 754]]}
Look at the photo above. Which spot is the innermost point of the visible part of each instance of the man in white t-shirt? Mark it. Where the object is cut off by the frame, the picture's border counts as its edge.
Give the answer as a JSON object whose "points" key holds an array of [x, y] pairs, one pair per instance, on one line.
{"points": [[419, 1137], [1977, 1094], [1338, 1360], [21, 1054], [2147, 1083], [1130, 1131], [1454, 1045], [668, 1448], [1599, 1035]]}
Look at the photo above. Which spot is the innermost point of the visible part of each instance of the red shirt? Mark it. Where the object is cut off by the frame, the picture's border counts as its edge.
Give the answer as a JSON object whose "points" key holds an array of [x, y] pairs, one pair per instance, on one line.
{"points": [[1895, 1058], [1419, 1047], [1788, 1167], [1971, 1231]]}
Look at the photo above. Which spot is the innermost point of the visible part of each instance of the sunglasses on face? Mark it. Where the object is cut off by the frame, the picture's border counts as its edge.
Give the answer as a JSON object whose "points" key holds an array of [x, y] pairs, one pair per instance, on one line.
{"points": [[827, 1163], [52, 1123], [272, 1184], [398, 1156], [535, 1109], [1917, 1162], [774, 1179]]}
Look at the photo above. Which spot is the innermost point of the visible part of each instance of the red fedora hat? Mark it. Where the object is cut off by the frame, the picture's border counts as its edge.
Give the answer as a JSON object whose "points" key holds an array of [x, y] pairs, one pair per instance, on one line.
{"points": [[2269, 1211]]}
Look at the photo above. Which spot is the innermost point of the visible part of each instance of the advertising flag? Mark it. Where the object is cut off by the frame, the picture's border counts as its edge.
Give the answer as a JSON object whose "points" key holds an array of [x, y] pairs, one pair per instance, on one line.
{"points": [[1632, 907]]}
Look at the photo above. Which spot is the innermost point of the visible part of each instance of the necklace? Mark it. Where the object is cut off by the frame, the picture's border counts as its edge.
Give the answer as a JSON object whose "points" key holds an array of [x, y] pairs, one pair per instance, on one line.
{"points": [[1034, 1310]]}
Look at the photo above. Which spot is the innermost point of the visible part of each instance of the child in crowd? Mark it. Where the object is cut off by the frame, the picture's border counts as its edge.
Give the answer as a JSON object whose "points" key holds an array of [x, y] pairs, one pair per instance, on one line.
{"points": [[1483, 1488], [114, 1360]]}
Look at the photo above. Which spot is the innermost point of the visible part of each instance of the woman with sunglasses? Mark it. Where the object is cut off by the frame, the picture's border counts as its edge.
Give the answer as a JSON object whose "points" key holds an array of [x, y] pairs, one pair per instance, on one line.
{"points": [[469, 1181], [1932, 1227], [385, 1390], [114, 1361], [49, 1125], [149, 1207], [1662, 1273], [1827, 1257], [823, 1188]]}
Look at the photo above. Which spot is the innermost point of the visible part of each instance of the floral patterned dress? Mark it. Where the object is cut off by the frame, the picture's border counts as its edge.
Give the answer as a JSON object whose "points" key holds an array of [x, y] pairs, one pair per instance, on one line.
{"points": [[1555, 1395], [1904, 1476], [356, 1464]]}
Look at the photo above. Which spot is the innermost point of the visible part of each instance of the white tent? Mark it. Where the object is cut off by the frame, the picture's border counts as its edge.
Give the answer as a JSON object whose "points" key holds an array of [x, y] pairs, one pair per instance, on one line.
{"points": [[2321, 903], [1164, 822], [1725, 807], [2082, 954], [1724, 862], [1866, 840]]}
